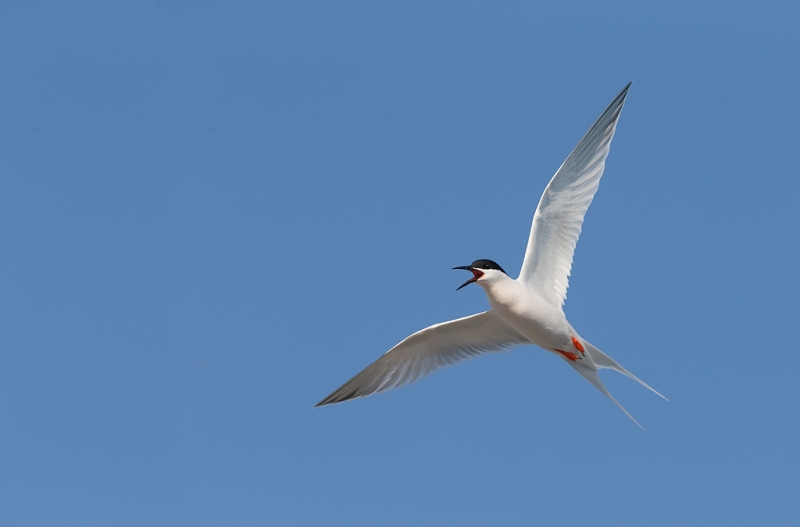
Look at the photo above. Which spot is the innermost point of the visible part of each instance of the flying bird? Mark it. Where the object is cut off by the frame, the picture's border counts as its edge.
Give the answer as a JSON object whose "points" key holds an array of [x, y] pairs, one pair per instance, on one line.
{"points": [[527, 310]]}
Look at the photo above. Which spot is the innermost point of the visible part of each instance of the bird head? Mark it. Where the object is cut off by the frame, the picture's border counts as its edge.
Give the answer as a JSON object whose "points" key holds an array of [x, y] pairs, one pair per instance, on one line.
{"points": [[482, 270]]}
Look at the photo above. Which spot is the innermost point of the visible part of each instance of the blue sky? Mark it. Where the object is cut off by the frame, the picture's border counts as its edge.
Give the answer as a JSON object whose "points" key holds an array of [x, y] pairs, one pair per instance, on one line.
{"points": [[213, 215]]}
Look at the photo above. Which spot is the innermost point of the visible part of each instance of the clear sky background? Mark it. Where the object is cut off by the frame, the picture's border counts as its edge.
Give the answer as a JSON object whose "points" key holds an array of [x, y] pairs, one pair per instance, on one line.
{"points": [[213, 215]]}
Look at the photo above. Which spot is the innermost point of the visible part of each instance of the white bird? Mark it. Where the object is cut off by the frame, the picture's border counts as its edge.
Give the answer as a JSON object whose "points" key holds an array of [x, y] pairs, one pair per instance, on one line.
{"points": [[527, 310]]}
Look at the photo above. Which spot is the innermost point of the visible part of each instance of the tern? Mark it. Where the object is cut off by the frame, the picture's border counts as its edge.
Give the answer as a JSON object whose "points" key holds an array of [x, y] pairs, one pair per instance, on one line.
{"points": [[528, 310]]}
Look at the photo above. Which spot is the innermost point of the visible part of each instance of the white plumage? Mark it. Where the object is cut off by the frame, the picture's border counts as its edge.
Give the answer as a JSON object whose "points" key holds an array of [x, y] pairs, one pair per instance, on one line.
{"points": [[428, 350], [559, 216], [527, 310]]}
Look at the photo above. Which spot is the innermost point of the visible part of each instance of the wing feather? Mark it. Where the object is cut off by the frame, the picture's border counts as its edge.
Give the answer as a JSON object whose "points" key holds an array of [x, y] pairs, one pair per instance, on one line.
{"points": [[559, 216], [428, 350]]}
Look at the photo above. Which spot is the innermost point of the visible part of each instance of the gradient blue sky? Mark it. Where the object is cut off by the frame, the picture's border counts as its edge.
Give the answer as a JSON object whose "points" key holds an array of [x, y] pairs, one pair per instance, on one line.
{"points": [[213, 215]]}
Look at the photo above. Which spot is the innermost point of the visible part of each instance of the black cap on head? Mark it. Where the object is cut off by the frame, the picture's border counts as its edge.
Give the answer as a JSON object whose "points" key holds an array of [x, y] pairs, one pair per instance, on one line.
{"points": [[477, 268], [487, 264]]}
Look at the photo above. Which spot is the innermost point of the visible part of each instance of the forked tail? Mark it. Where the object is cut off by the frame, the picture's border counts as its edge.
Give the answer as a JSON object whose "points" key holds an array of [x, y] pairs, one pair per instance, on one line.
{"points": [[601, 361]]}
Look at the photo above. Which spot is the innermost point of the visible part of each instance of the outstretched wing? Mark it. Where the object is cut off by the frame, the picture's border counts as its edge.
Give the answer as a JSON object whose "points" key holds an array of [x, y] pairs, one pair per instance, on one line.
{"points": [[428, 350], [559, 216]]}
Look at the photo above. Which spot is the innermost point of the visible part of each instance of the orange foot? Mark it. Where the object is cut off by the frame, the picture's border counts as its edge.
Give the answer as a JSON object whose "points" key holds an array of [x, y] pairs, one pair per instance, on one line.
{"points": [[578, 345], [568, 355]]}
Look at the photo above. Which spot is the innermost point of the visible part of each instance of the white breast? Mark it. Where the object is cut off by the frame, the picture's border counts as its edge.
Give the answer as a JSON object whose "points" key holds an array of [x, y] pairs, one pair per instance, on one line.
{"points": [[530, 315]]}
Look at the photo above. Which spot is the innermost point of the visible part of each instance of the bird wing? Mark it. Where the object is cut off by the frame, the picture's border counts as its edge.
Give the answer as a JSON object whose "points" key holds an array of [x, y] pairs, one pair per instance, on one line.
{"points": [[559, 216], [428, 350]]}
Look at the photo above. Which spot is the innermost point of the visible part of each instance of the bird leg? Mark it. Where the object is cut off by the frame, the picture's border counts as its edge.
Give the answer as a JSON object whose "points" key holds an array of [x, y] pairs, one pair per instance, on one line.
{"points": [[568, 355], [578, 345]]}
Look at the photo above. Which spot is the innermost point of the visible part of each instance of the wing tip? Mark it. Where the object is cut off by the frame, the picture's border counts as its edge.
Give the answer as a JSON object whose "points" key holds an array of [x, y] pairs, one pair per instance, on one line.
{"points": [[331, 399], [343, 393], [618, 101]]}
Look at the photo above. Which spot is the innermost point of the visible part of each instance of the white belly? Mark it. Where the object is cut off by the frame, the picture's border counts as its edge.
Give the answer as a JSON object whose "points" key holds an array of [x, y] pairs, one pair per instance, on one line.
{"points": [[538, 321]]}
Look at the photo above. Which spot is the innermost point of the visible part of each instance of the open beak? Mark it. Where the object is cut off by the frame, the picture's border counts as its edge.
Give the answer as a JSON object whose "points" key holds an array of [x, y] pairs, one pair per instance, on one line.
{"points": [[475, 275]]}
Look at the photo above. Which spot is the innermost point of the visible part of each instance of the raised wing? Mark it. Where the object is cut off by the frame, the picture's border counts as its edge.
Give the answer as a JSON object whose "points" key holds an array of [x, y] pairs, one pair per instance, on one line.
{"points": [[559, 216], [428, 350]]}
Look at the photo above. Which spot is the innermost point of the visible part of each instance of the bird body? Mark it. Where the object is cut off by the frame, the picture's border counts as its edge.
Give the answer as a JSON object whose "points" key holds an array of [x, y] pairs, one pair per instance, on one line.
{"points": [[527, 310], [523, 310]]}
